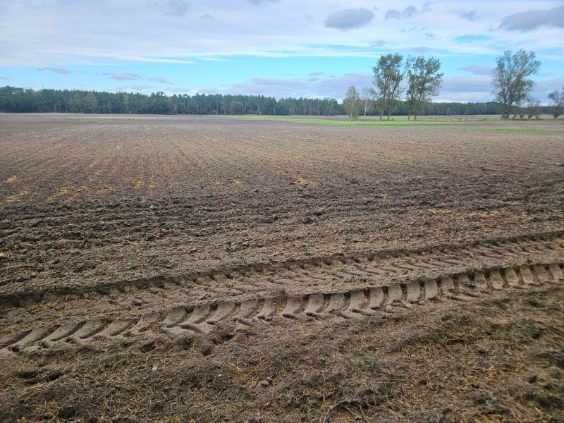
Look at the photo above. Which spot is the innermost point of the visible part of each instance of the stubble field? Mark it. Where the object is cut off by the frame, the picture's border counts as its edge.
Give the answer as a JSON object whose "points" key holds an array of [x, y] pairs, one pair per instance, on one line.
{"points": [[215, 269]]}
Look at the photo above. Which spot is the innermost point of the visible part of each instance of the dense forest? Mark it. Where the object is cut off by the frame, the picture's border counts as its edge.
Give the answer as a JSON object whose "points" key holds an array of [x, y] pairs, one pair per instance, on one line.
{"points": [[20, 100]]}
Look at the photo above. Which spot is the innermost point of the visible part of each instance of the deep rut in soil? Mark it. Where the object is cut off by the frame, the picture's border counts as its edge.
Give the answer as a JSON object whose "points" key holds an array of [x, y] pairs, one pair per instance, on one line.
{"points": [[235, 316], [432, 277]]}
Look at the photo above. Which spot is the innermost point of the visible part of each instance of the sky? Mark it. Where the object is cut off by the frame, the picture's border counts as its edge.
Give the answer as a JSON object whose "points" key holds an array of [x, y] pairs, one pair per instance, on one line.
{"points": [[310, 48]]}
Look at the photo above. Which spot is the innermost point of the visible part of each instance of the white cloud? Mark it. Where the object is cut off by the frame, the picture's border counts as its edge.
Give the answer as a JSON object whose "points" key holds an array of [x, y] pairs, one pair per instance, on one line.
{"points": [[60, 71], [127, 76], [470, 15], [466, 88], [257, 2], [124, 76], [160, 80], [456, 87], [62, 32], [534, 19], [347, 19], [478, 70], [316, 84], [409, 12], [137, 88], [59, 34], [170, 7]]}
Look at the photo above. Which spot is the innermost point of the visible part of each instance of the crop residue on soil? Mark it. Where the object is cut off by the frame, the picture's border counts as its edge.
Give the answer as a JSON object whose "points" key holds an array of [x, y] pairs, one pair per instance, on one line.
{"points": [[214, 269]]}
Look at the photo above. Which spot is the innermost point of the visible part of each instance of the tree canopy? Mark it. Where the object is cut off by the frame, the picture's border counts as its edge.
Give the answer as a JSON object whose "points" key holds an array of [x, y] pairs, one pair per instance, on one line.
{"points": [[512, 78], [388, 76], [423, 79]]}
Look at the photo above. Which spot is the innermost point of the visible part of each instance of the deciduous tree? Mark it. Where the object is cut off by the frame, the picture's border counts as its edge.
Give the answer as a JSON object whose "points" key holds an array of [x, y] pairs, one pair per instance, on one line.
{"points": [[513, 78], [424, 80], [388, 75]]}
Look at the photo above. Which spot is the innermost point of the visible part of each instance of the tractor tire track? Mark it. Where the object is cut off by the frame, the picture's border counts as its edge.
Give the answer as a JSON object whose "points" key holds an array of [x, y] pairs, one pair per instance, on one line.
{"points": [[189, 320]]}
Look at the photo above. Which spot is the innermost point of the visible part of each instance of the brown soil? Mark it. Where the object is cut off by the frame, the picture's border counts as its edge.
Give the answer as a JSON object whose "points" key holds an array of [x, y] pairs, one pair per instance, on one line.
{"points": [[206, 269]]}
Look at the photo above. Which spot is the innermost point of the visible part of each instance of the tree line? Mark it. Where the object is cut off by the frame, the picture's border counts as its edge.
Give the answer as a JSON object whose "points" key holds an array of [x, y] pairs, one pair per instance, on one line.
{"points": [[400, 87], [76, 101], [20, 100], [413, 82]]}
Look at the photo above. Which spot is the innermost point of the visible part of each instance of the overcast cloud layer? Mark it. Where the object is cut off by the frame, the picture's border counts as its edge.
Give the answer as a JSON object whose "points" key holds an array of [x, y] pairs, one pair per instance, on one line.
{"points": [[229, 45]]}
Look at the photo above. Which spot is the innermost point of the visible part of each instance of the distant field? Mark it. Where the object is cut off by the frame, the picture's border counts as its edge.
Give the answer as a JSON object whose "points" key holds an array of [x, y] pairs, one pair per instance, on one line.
{"points": [[375, 121]]}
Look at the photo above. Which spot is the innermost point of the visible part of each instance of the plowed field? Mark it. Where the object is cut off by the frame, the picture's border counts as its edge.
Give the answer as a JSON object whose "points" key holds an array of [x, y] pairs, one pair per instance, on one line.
{"points": [[214, 269]]}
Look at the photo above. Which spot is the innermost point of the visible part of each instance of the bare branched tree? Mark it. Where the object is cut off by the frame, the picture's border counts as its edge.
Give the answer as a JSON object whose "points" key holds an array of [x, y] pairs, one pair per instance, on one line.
{"points": [[388, 75], [512, 79], [424, 81]]}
